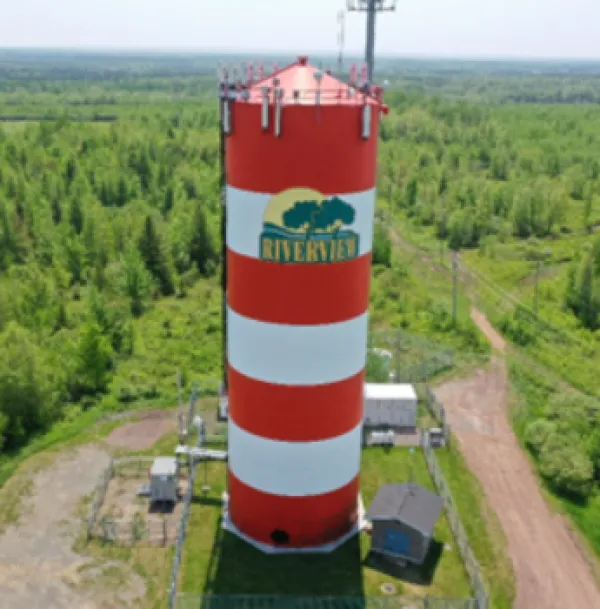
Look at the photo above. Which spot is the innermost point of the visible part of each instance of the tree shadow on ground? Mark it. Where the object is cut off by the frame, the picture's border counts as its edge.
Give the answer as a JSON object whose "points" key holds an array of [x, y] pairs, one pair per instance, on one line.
{"points": [[237, 568], [420, 575]]}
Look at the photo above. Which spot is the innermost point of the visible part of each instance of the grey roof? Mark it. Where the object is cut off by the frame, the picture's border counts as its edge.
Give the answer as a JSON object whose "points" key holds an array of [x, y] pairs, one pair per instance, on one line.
{"points": [[412, 504], [387, 412], [164, 466]]}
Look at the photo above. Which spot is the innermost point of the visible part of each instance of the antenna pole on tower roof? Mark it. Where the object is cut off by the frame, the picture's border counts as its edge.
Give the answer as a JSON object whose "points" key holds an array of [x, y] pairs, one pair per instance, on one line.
{"points": [[371, 7], [341, 40]]}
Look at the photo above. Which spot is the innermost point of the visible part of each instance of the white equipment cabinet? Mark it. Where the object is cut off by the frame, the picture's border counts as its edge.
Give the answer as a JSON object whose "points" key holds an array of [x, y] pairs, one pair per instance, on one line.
{"points": [[390, 404], [163, 479]]}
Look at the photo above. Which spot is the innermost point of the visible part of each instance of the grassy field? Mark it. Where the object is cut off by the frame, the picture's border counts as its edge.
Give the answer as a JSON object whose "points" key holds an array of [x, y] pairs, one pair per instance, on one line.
{"points": [[216, 562]]}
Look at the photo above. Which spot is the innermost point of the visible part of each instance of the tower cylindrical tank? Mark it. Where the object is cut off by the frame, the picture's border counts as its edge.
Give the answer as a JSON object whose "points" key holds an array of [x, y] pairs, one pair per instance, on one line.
{"points": [[301, 172]]}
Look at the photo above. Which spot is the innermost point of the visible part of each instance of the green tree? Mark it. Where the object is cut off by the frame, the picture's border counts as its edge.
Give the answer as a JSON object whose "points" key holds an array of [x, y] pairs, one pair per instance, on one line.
{"points": [[155, 257], [412, 190], [95, 358], [29, 392], [566, 467], [76, 217], [382, 246], [134, 281], [587, 304], [202, 248], [587, 214]]}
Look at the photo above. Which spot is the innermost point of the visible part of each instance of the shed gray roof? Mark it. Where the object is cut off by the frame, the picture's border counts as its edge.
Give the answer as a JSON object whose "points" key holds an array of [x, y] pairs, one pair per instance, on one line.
{"points": [[411, 504]]}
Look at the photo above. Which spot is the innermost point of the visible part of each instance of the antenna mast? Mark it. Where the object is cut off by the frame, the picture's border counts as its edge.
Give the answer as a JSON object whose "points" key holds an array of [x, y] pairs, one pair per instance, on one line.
{"points": [[341, 40], [224, 86], [371, 7]]}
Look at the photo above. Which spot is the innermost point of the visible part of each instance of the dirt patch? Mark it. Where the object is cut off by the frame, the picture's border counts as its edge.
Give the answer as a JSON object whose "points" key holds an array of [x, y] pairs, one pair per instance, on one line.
{"points": [[551, 570], [143, 434], [38, 567], [482, 322]]}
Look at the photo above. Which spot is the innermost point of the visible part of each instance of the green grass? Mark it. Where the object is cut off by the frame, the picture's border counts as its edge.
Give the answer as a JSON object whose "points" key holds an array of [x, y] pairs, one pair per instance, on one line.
{"points": [[222, 564], [482, 526], [218, 563]]}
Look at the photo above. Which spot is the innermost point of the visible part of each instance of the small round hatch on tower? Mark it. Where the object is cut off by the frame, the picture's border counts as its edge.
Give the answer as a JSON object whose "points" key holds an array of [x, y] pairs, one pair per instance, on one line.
{"points": [[302, 60]]}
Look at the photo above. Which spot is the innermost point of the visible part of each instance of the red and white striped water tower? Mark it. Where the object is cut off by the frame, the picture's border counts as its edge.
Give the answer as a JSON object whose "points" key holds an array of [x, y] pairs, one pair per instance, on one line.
{"points": [[301, 152]]}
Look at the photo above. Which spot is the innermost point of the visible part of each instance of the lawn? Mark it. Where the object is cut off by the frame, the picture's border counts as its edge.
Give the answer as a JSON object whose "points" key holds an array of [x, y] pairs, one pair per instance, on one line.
{"points": [[483, 529], [216, 562]]}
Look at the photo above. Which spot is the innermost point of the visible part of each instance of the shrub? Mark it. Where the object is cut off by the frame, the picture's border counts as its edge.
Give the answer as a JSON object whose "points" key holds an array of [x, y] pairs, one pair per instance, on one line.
{"points": [[537, 433], [566, 467]]}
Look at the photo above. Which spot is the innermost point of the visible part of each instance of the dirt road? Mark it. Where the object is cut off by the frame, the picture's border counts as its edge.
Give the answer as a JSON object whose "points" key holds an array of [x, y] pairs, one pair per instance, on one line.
{"points": [[551, 571], [38, 568]]}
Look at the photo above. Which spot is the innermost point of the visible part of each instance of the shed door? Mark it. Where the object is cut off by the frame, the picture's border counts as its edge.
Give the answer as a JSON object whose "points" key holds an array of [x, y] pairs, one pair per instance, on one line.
{"points": [[395, 542]]}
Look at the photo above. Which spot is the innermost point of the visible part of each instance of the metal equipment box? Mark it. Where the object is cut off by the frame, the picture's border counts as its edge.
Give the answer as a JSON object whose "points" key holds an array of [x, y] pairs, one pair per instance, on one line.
{"points": [[164, 479]]}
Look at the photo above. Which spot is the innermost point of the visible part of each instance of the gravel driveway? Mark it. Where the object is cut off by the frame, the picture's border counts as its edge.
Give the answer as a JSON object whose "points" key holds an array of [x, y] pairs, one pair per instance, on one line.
{"points": [[38, 568], [551, 570]]}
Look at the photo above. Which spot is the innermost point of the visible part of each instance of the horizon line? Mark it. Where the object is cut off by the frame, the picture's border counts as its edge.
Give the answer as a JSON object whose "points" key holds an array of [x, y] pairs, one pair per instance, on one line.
{"points": [[115, 50]]}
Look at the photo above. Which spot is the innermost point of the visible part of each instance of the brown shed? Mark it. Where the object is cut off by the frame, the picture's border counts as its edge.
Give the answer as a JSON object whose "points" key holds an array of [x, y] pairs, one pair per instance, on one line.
{"points": [[403, 518]]}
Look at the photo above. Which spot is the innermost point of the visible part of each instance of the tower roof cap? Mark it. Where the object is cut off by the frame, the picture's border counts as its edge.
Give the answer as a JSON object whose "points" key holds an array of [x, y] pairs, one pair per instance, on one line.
{"points": [[302, 83]]}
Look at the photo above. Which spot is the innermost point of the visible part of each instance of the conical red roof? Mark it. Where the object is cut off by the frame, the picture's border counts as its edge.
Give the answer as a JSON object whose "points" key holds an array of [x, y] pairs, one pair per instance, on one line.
{"points": [[300, 86]]}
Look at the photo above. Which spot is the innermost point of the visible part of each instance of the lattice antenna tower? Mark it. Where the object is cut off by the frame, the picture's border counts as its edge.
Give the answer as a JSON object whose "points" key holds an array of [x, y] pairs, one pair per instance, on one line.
{"points": [[371, 7]]}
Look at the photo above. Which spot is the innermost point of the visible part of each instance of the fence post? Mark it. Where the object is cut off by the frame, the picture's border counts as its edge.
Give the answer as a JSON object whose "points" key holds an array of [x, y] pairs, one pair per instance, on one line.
{"points": [[164, 520]]}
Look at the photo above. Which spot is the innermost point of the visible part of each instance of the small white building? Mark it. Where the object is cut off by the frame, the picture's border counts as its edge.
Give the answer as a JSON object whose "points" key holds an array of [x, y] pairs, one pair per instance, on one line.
{"points": [[164, 479], [390, 405]]}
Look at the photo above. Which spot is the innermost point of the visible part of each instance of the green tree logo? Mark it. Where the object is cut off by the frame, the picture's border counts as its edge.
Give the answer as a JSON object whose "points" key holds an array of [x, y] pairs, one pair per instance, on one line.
{"points": [[330, 215]]}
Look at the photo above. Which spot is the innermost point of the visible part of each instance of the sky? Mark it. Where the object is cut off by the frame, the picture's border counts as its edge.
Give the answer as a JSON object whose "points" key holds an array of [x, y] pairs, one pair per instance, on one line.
{"points": [[421, 28]]}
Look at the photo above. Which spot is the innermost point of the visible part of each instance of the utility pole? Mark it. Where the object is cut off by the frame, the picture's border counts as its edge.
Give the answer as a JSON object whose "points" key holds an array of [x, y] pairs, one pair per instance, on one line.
{"points": [[454, 286], [371, 7], [538, 268]]}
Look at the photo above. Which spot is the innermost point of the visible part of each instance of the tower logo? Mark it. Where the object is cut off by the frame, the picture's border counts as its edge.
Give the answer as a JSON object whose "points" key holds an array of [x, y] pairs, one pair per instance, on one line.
{"points": [[301, 226]]}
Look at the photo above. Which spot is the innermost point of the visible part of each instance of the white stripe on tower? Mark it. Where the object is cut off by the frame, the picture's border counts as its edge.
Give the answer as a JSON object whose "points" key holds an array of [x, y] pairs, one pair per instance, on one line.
{"points": [[297, 355], [294, 469]]}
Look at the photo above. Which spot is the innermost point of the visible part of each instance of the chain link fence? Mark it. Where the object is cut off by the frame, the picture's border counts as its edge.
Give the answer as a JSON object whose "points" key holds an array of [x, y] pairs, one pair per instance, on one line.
{"points": [[98, 498], [226, 601], [458, 530], [404, 358], [437, 412], [181, 534], [120, 517], [135, 532]]}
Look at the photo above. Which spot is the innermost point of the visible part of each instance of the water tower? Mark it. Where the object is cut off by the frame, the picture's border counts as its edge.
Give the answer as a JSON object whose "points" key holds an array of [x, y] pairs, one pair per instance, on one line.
{"points": [[301, 151]]}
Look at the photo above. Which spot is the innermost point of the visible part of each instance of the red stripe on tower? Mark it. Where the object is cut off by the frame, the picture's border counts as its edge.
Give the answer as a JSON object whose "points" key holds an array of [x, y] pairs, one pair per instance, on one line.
{"points": [[301, 170]]}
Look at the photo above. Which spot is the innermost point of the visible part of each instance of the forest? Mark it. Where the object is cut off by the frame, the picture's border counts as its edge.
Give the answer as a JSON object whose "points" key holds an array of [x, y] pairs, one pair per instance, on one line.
{"points": [[110, 239], [96, 223]]}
